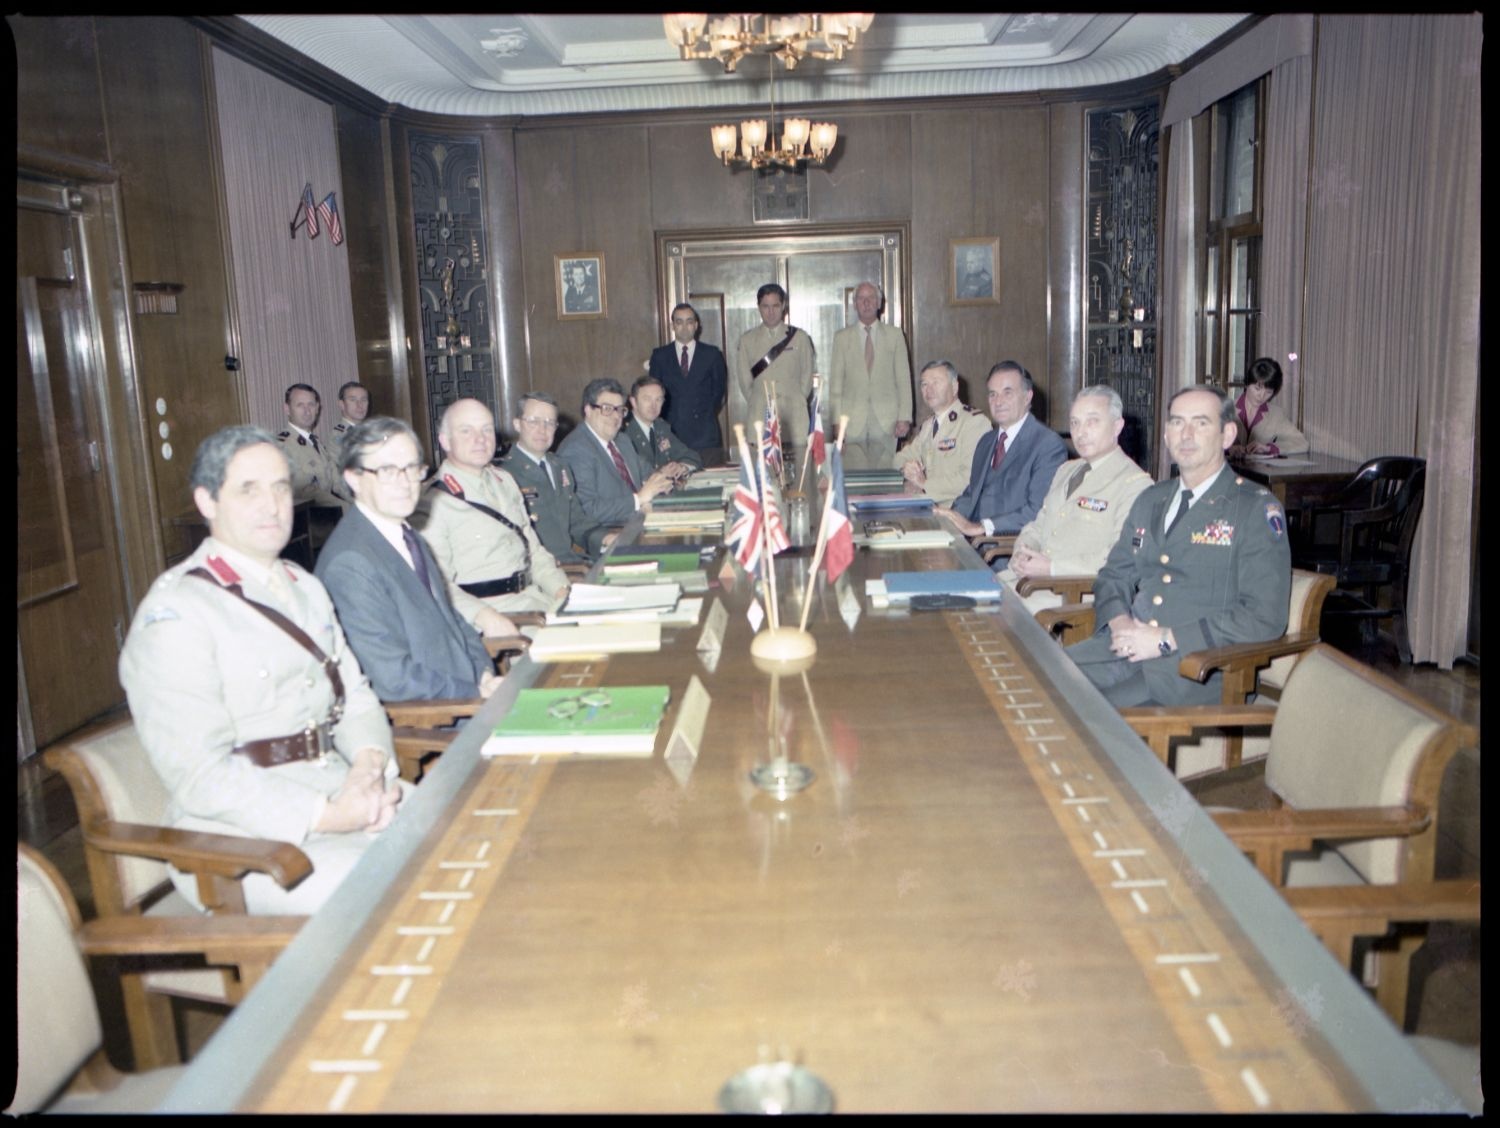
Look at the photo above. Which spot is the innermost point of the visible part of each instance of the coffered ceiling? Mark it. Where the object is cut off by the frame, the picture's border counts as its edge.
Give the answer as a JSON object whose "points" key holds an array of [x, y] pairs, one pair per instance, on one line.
{"points": [[555, 64]]}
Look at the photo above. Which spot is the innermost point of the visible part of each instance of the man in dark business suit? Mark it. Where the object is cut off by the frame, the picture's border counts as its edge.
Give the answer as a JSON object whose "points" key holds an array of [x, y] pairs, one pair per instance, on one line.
{"points": [[695, 377], [557, 515], [1013, 465], [386, 585], [611, 482]]}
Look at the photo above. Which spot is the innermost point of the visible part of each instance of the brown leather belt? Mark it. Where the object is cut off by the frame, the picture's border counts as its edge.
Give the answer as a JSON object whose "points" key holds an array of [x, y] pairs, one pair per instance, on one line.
{"points": [[483, 589], [310, 744]]}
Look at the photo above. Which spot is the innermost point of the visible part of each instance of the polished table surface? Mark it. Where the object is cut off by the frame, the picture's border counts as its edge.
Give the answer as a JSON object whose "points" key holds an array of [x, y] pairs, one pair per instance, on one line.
{"points": [[990, 897], [1299, 480]]}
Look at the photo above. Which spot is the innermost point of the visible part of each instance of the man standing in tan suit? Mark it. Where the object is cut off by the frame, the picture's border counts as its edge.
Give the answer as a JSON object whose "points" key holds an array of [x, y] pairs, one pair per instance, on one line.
{"points": [[475, 521], [870, 382], [941, 452], [1085, 507], [776, 353]]}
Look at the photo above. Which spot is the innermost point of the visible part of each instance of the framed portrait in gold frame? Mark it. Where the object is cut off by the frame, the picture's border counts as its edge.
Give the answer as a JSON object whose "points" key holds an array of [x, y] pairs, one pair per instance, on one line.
{"points": [[973, 270], [579, 277]]}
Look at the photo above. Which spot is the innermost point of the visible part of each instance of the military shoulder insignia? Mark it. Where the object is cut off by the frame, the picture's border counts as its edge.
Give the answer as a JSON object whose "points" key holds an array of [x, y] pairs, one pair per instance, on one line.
{"points": [[952, 416], [301, 441], [159, 615], [284, 436], [1276, 520], [1093, 504], [1218, 533]]}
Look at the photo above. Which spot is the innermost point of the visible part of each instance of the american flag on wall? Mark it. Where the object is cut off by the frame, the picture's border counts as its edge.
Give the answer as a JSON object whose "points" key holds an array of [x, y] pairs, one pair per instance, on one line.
{"points": [[306, 213], [329, 210]]}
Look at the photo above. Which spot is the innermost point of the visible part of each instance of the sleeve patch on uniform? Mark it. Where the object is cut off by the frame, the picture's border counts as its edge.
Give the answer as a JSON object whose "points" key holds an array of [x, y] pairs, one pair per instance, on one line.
{"points": [[160, 615], [1276, 519]]}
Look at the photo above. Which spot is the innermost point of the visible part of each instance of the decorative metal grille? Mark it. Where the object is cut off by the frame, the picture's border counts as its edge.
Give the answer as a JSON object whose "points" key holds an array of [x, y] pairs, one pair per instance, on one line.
{"points": [[448, 218], [1123, 175]]}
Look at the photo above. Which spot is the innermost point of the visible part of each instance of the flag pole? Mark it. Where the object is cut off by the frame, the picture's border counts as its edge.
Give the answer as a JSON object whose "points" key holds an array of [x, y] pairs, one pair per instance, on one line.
{"points": [[765, 546], [807, 454], [812, 581]]}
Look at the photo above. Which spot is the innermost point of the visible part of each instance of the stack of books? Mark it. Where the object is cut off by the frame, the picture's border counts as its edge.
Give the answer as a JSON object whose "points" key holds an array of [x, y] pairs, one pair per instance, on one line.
{"points": [[603, 720]]}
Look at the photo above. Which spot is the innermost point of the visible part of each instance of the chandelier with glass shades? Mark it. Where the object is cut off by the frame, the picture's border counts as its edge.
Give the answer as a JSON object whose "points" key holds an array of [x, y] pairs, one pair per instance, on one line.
{"points": [[789, 38]]}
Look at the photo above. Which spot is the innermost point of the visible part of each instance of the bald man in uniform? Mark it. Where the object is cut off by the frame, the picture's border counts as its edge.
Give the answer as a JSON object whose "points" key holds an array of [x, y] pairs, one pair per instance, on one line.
{"points": [[942, 449], [772, 352], [475, 520], [250, 729]]}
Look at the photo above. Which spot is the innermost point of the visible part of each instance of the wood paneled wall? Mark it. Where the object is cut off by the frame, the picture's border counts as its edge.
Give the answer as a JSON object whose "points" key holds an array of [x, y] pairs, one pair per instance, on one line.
{"points": [[950, 172]]}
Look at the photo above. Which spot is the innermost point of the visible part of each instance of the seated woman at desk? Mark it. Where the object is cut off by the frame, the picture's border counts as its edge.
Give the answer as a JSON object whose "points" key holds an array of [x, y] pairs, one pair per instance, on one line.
{"points": [[1263, 427]]}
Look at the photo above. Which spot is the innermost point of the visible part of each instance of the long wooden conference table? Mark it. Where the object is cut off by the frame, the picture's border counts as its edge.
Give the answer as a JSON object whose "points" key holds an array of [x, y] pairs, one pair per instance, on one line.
{"points": [[991, 897]]}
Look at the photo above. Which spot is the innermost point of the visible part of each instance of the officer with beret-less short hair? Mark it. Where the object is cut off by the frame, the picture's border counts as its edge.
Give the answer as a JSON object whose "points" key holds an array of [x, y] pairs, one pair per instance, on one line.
{"points": [[315, 475], [246, 697]]}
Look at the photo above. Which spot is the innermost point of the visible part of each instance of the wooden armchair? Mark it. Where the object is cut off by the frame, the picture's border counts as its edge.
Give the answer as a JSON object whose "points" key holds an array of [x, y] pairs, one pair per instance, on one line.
{"points": [[1072, 589], [58, 1031], [122, 806], [992, 548], [1352, 778]]}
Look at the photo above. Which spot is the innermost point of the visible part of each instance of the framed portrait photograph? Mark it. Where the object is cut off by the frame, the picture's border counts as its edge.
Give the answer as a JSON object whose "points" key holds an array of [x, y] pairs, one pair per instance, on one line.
{"points": [[580, 285], [973, 265]]}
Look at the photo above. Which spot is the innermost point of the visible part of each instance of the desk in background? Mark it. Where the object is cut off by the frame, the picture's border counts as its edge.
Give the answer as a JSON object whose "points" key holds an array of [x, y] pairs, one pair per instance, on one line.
{"points": [[992, 897]]}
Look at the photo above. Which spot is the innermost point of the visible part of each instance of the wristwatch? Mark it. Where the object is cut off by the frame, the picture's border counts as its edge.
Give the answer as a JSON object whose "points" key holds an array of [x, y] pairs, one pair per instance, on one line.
{"points": [[1165, 647]]}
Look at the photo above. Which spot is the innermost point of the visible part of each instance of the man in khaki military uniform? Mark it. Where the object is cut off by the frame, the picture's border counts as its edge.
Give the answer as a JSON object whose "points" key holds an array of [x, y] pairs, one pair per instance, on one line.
{"points": [[315, 475], [250, 732], [354, 405], [942, 448], [790, 369], [869, 380], [1085, 507], [475, 521]]}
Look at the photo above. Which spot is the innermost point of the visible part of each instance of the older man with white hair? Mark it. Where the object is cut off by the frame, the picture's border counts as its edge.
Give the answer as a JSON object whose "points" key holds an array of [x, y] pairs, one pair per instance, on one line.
{"points": [[1085, 506], [869, 380]]}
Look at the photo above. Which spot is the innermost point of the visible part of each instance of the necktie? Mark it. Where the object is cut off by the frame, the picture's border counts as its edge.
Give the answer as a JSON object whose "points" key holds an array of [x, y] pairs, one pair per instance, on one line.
{"points": [[934, 426], [620, 466], [999, 455], [1076, 480], [684, 360], [1182, 508], [418, 561], [869, 349], [547, 469], [314, 440]]}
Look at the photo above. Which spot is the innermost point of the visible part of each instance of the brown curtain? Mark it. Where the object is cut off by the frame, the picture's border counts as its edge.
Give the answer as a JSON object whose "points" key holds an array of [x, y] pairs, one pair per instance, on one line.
{"points": [[292, 302], [1284, 230], [1392, 312], [1181, 235]]}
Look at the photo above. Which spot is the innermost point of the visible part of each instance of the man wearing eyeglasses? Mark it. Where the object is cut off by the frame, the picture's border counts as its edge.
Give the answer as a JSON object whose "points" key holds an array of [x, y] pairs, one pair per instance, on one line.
{"points": [[547, 486], [612, 484], [476, 524], [695, 377], [390, 594]]}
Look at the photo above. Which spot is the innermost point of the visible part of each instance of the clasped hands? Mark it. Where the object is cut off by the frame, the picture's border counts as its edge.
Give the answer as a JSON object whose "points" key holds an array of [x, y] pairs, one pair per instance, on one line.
{"points": [[1026, 561], [1131, 639], [366, 801]]}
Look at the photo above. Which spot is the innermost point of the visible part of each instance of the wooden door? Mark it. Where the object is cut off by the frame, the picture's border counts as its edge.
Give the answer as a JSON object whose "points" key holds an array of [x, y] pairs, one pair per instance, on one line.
{"points": [[70, 607]]}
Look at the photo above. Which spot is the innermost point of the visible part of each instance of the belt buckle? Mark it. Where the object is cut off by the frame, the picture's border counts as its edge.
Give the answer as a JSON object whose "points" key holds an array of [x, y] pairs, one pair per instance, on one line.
{"points": [[316, 736]]}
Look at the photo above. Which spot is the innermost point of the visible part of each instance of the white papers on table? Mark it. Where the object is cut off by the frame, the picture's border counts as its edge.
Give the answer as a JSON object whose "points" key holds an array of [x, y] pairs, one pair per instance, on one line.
{"points": [[586, 598]]}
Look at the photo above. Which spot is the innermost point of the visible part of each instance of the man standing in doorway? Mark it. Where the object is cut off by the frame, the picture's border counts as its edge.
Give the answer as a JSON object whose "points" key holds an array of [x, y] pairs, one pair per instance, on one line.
{"points": [[869, 380]]}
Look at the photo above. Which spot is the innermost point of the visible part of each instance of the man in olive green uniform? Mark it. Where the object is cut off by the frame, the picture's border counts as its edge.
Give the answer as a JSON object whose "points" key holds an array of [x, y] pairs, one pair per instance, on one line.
{"points": [[651, 435], [250, 732], [546, 484], [475, 521], [1202, 561], [1085, 506], [941, 452], [315, 475], [772, 353]]}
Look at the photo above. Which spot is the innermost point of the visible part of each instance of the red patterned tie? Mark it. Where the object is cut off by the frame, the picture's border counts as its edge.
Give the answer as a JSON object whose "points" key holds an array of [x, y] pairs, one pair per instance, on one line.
{"points": [[684, 360], [999, 455], [621, 467]]}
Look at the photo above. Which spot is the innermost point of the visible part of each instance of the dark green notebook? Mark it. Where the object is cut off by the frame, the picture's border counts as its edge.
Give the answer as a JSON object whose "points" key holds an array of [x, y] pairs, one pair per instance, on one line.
{"points": [[611, 720]]}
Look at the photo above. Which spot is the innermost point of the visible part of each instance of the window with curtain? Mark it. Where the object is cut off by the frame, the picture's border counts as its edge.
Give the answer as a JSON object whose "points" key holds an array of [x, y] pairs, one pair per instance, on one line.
{"points": [[1230, 263]]}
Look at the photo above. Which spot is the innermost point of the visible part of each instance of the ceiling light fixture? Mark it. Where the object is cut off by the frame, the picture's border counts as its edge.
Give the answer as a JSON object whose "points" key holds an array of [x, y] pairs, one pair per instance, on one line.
{"points": [[802, 142], [790, 38]]}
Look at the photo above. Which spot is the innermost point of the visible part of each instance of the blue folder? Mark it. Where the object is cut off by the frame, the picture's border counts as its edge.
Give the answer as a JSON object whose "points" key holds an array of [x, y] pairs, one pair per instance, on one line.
{"points": [[976, 584]]}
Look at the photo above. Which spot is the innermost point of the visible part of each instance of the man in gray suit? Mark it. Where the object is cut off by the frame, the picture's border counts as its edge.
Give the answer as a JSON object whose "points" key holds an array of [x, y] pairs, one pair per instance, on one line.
{"points": [[1013, 465], [390, 594], [609, 477], [547, 485]]}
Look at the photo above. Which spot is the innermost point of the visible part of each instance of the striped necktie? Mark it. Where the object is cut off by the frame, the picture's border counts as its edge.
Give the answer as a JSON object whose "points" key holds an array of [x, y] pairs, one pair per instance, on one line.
{"points": [[999, 455], [621, 467]]}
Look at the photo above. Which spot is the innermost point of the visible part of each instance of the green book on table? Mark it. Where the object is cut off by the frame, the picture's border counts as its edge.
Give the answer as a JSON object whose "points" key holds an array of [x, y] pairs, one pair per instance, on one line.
{"points": [[611, 720]]}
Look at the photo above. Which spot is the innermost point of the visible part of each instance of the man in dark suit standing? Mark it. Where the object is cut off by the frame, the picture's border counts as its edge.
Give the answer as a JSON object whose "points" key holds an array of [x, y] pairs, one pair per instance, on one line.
{"points": [[547, 485], [1013, 465], [611, 482], [386, 585], [695, 377]]}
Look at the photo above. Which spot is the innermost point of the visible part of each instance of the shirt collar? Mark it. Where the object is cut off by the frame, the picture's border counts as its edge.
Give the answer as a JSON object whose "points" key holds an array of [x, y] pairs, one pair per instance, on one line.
{"points": [[247, 568], [1015, 429], [1203, 487]]}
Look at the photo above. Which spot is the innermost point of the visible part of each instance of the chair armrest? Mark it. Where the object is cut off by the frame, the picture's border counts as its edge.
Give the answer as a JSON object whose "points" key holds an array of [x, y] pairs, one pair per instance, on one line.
{"points": [[1268, 836], [505, 644], [1071, 588], [200, 852], [1072, 622], [575, 571], [188, 935], [1408, 901], [442, 711], [1158, 724], [1200, 664], [527, 618], [991, 546]]}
